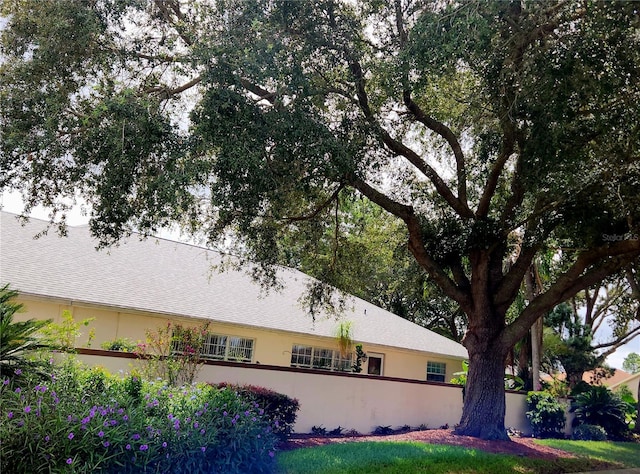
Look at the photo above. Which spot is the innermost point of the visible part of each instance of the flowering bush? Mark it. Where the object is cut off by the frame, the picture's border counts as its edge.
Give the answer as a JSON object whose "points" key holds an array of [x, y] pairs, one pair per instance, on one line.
{"points": [[86, 420], [280, 409]]}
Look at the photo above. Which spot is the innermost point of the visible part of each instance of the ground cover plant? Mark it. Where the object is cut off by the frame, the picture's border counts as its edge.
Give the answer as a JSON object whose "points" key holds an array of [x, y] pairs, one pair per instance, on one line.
{"points": [[78, 419], [402, 457]]}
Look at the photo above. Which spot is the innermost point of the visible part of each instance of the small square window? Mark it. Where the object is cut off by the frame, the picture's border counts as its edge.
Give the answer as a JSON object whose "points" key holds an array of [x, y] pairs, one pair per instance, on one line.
{"points": [[436, 371]]}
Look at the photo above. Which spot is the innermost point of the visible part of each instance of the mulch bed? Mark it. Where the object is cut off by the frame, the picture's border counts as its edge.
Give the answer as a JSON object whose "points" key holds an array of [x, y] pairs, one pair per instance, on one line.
{"points": [[518, 446]]}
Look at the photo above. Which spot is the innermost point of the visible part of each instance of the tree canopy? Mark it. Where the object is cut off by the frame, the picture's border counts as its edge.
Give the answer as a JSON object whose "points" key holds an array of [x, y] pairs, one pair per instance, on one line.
{"points": [[493, 131]]}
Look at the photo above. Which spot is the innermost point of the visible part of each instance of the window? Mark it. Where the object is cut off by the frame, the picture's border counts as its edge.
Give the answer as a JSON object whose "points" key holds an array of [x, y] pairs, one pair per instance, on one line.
{"points": [[374, 364], [436, 371], [239, 349], [221, 347], [301, 356], [319, 358]]}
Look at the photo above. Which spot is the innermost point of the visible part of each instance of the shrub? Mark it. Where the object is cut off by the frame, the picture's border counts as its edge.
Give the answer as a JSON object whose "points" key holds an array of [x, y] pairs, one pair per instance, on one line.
{"points": [[122, 344], [280, 409], [600, 406], [63, 335], [318, 430], [173, 352], [382, 430], [546, 415], [84, 420], [587, 432]]}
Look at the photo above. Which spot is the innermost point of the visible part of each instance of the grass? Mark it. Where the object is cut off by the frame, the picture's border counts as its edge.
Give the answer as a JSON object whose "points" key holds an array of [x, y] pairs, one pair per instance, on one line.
{"points": [[627, 454], [416, 457]]}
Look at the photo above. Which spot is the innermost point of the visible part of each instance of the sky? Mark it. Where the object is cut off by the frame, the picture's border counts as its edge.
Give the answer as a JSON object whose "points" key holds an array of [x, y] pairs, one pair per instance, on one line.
{"points": [[12, 202]]}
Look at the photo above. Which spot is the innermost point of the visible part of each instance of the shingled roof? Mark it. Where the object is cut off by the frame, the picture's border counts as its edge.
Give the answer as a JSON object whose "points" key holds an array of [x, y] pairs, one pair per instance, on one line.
{"points": [[173, 278]]}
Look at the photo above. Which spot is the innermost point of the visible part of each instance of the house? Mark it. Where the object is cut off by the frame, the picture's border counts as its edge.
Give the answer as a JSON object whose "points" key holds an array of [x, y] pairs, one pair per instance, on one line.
{"points": [[632, 381], [140, 284]]}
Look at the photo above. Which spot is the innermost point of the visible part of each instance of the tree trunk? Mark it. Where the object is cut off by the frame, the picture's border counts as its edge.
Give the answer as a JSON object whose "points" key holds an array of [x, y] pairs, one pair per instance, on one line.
{"points": [[484, 402], [536, 353], [636, 429]]}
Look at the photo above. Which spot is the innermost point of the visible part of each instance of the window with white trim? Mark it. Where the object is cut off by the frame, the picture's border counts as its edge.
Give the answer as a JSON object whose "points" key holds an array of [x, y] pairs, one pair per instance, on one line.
{"points": [[224, 347], [320, 358], [436, 371]]}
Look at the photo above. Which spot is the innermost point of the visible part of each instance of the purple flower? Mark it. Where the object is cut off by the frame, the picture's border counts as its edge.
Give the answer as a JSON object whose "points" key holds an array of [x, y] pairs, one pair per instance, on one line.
{"points": [[27, 409], [125, 418], [106, 444], [69, 461], [136, 437], [86, 420], [224, 413], [113, 422], [202, 431], [47, 438], [233, 421], [18, 371], [203, 448], [71, 435], [164, 444], [128, 446], [144, 447], [5, 382], [246, 413], [101, 434], [10, 415], [18, 390], [195, 424], [271, 454]]}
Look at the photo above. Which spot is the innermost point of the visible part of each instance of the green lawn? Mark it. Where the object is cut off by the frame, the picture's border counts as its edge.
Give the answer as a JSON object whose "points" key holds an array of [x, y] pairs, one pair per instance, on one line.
{"points": [[416, 457], [625, 453]]}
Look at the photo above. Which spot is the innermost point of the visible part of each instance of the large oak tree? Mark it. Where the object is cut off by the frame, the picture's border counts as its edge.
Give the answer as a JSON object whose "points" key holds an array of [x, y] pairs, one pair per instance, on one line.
{"points": [[489, 129]]}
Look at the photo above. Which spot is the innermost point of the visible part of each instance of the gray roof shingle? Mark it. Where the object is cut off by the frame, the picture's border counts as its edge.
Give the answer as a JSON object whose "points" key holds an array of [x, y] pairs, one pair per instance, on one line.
{"points": [[173, 278]]}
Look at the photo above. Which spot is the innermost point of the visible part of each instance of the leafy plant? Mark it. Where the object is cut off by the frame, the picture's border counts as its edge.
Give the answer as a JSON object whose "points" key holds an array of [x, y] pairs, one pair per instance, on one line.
{"points": [[382, 430], [546, 415], [319, 430], [344, 337], [361, 356], [17, 339], [280, 409], [587, 432], [86, 420], [122, 344], [173, 352], [336, 431], [600, 406], [63, 335]]}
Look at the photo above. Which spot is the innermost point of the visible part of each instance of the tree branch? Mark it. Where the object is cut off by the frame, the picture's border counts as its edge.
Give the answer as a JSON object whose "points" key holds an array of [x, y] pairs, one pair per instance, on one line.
{"points": [[318, 209], [399, 148], [415, 244], [603, 260], [167, 93], [446, 133]]}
